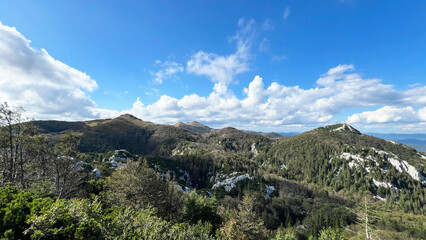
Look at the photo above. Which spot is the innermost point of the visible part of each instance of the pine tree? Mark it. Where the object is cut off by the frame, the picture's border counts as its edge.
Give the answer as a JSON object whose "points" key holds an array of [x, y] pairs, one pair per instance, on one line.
{"points": [[248, 224]]}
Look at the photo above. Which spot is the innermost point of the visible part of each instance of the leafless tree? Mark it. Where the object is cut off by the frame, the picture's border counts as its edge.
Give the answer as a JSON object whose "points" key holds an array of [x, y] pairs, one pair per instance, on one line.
{"points": [[14, 136], [69, 173]]}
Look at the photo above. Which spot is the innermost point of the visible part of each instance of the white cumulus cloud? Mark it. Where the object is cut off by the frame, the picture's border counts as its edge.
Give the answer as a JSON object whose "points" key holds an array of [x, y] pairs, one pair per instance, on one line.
{"points": [[389, 114], [277, 105], [222, 69], [50, 89], [44, 86]]}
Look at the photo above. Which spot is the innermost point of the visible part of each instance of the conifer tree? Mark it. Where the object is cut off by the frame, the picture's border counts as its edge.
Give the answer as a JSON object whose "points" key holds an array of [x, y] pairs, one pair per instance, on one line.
{"points": [[246, 224]]}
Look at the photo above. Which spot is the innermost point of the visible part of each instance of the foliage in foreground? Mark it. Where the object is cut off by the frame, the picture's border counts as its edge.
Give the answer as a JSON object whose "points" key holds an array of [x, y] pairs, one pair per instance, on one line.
{"points": [[25, 216]]}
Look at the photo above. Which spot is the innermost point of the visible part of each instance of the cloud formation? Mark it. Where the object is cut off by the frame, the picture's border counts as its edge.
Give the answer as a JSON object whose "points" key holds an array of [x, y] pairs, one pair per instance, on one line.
{"points": [[168, 70], [44, 86], [50, 89], [389, 114], [278, 106], [222, 69]]}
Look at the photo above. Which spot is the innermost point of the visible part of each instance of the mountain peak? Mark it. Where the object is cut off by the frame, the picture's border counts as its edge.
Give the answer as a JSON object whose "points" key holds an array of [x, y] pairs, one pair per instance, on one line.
{"points": [[194, 126], [342, 128], [128, 115], [179, 124]]}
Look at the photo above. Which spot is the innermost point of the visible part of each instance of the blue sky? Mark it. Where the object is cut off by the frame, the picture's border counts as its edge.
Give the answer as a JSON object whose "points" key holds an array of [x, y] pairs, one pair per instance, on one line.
{"points": [[259, 65]]}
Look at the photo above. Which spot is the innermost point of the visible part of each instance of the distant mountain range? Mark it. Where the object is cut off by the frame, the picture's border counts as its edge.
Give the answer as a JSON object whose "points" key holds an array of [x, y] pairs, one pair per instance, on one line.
{"points": [[191, 139], [417, 141], [52, 128], [421, 138], [288, 134]]}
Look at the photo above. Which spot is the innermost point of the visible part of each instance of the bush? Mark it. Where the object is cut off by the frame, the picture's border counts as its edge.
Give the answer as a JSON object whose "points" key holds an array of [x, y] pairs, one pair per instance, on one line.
{"points": [[127, 223], [16, 207], [330, 234], [137, 186], [68, 219]]}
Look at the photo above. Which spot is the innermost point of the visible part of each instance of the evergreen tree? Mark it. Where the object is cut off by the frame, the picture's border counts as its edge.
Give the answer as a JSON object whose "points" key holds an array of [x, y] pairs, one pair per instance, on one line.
{"points": [[246, 224]]}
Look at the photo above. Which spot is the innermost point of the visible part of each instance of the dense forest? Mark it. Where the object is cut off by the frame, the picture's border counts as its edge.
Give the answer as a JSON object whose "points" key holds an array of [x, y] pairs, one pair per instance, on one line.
{"points": [[125, 178]]}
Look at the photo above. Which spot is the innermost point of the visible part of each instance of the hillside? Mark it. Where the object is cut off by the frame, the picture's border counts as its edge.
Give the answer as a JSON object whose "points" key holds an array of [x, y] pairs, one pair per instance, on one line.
{"points": [[310, 173], [343, 159], [123, 132], [311, 156]]}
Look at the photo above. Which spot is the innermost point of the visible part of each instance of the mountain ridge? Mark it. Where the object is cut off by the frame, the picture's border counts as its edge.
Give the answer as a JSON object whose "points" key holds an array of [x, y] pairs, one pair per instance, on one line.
{"points": [[147, 138], [194, 126], [335, 160]]}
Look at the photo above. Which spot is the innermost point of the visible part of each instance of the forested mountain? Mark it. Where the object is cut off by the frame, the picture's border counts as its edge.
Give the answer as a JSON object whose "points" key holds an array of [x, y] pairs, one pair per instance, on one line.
{"points": [[342, 158], [118, 178]]}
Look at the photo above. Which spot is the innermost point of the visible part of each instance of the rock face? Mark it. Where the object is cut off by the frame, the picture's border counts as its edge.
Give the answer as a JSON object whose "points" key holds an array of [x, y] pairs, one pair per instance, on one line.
{"points": [[358, 160], [345, 128], [229, 182], [118, 157], [269, 190]]}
